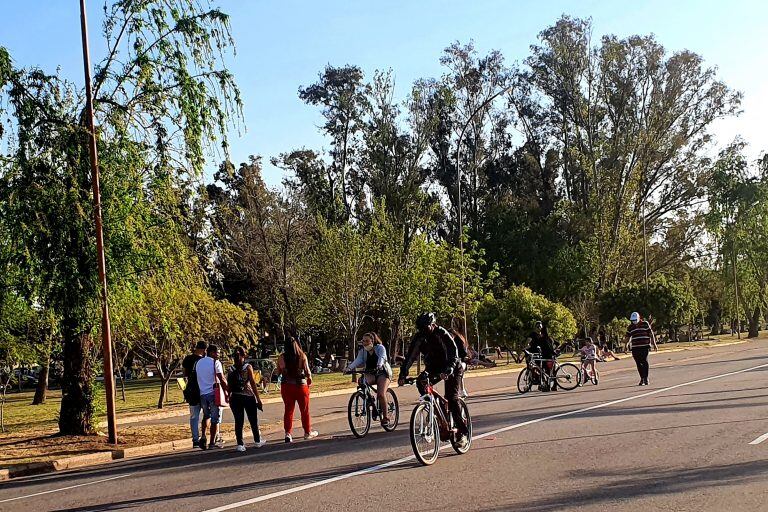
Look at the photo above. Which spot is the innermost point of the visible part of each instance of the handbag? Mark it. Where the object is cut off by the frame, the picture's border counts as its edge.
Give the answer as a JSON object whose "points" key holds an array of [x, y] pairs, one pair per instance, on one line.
{"points": [[220, 396]]}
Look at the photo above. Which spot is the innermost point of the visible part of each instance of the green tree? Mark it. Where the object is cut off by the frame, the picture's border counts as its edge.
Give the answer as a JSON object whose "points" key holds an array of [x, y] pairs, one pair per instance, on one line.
{"points": [[162, 95]]}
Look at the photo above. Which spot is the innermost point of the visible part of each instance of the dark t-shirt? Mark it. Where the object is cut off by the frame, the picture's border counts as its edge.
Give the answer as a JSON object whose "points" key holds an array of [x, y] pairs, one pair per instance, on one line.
{"points": [[539, 343], [189, 363]]}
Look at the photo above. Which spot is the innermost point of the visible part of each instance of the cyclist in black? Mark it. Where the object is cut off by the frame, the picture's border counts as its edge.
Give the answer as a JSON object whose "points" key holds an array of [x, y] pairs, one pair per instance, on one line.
{"points": [[442, 359], [539, 341]]}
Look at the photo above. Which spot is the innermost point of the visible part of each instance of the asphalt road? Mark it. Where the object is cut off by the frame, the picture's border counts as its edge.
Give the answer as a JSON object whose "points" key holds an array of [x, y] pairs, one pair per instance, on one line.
{"points": [[682, 443]]}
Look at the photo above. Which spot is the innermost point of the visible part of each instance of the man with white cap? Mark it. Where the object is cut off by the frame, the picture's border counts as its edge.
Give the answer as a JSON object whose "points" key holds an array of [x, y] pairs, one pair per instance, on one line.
{"points": [[641, 338]]}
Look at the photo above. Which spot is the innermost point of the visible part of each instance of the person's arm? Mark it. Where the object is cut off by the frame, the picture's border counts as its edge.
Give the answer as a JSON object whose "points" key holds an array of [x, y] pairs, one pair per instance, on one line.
{"points": [[414, 349], [280, 365], [254, 386], [186, 371], [653, 339], [359, 360], [219, 370], [381, 354], [305, 361]]}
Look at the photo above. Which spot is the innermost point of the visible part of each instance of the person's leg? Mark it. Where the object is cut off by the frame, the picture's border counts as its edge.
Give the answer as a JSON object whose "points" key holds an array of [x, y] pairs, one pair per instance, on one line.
{"points": [[637, 356], [206, 404], [646, 365], [236, 403], [215, 421], [286, 391], [194, 422], [302, 397], [252, 410], [452, 385], [382, 384]]}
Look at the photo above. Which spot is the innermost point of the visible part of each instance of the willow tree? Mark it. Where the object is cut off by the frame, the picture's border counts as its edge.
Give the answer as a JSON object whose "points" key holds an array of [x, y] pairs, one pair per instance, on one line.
{"points": [[162, 97]]}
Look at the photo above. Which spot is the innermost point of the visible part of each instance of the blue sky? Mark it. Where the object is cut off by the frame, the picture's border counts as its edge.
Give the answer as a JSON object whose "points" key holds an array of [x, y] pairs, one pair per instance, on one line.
{"points": [[282, 45]]}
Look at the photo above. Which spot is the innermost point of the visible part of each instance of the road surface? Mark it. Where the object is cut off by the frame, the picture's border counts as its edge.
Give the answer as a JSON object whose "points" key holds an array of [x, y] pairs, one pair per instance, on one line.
{"points": [[692, 440]]}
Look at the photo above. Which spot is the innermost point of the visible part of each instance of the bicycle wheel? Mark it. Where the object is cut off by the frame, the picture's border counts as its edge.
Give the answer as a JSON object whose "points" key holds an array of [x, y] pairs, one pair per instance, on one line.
{"points": [[359, 414], [524, 381], [567, 376], [468, 420], [425, 437], [393, 409]]}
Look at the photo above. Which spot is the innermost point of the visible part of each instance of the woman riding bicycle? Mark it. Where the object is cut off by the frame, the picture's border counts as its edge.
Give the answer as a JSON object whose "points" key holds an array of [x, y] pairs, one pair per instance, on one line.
{"points": [[373, 356]]}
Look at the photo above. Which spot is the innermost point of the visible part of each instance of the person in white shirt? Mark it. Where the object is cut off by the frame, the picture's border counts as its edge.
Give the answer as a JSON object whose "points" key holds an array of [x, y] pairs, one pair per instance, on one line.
{"points": [[209, 374], [589, 356]]}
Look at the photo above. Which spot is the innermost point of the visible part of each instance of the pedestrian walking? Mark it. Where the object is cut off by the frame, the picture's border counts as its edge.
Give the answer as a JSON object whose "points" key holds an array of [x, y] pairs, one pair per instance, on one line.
{"points": [[192, 390], [292, 365], [209, 375], [244, 399], [640, 338]]}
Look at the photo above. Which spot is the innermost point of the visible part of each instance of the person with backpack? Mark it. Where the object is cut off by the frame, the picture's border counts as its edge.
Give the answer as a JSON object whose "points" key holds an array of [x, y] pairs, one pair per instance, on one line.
{"points": [[192, 390], [244, 399]]}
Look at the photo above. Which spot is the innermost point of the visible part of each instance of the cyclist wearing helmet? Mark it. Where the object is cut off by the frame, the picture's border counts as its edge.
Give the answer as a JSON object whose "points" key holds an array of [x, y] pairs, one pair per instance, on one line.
{"points": [[442, 360]]}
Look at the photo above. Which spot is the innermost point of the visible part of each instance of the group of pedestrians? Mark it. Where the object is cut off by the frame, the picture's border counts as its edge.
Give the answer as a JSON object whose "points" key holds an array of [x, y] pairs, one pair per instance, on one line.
{"points": [[209, 390]]}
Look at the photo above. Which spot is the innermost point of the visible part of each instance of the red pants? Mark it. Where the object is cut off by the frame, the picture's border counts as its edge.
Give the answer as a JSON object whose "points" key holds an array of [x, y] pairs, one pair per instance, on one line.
{"points": [[293, 393]]}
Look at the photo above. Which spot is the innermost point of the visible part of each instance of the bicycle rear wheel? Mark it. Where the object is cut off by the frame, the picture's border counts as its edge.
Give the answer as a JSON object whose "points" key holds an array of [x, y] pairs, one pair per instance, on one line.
{"points": [[359, 414], [461, 450], [393, 410], [425, 437], [567, 376], [524, 381]]}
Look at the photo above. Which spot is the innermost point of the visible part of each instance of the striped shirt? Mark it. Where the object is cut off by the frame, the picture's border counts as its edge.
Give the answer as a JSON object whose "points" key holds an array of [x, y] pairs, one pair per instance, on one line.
{"points": [[640, 334]]}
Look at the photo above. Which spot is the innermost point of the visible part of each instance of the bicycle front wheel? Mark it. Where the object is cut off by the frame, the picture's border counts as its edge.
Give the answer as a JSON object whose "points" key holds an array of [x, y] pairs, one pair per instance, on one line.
{"points": [[568, 376], [524, 381], [393, 410], [468, 422], [425, 437], [359, 414]]}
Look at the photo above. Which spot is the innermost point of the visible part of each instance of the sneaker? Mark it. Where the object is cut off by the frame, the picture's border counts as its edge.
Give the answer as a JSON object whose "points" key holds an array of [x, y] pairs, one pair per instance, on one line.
{"points": [[202, 444], [311, 434], [462, 442], [217, 444], [288, 438], [259, 444], [240, 448], [195, 443]]}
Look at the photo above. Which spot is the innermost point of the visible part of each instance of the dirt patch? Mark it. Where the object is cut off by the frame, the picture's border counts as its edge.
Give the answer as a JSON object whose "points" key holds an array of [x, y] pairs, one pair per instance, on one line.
{"points": [[28, 447]]}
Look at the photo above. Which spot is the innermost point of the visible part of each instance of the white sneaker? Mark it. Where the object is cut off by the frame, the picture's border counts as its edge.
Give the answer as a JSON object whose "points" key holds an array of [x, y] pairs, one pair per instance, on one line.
{"points": [[311, 434], [240, 448], [288, 438], [260, 444]]}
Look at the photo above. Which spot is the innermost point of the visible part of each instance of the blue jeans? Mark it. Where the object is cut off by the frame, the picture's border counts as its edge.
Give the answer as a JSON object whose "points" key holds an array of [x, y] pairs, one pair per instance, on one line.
{"points": [[194, 421], [209, 408]]}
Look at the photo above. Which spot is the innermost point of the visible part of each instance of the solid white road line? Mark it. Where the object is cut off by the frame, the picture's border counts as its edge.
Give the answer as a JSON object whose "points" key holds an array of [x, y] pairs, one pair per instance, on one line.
{"points": [[65, 488], [372, 469], [760, 439]]}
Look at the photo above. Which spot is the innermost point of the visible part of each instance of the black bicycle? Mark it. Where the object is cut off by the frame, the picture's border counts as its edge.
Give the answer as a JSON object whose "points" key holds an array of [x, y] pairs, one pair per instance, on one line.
{"points": [[363, 407], [566, 376], [429, 414]]}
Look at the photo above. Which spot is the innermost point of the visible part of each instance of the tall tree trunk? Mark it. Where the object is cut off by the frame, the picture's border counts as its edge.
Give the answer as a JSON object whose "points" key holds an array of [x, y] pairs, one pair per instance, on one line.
{"points": [[164, 378], [76, 415], [754, 323], [42, 384]]}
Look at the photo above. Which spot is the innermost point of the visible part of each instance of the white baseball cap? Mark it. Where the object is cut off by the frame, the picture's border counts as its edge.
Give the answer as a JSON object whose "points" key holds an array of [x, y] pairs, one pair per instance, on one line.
{"points": [[634, 317]]}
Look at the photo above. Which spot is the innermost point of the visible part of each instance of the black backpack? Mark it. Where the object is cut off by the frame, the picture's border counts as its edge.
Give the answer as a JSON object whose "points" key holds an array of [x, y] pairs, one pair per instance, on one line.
{"points": [[235, 380], [192, 391]]}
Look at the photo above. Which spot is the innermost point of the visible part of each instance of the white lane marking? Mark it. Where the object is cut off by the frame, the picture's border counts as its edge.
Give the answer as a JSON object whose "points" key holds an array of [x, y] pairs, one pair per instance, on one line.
{"points": [[65, 488], [760, 439], [372, 469]]}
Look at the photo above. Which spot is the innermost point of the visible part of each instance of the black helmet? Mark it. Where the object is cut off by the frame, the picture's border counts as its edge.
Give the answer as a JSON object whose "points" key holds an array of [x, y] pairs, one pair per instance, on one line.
{"points": [[424, 320]]}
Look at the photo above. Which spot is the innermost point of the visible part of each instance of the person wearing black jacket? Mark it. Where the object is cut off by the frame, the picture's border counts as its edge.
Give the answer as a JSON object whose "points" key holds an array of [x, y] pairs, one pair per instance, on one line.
{"points": [[539, 341], [442, 360]]}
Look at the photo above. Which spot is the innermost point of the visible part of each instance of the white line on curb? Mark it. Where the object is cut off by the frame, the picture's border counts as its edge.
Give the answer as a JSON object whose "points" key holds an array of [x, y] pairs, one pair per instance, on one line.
{"points": [[760, 439], [385, 465]]}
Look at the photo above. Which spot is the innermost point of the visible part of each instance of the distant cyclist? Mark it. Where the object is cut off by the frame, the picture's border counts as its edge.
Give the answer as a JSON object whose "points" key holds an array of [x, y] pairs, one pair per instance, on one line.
{"points": [[442, 359], [640, 338], [539, 341]]}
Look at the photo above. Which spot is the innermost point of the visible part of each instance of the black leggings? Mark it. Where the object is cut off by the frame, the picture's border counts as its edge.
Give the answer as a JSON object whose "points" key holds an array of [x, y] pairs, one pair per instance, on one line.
{"points": [[241, 405], [640, 354]]}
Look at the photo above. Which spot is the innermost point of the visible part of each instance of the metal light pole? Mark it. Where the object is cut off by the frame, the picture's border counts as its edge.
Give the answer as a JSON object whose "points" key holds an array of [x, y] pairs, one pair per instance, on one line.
{"points": [[106, 334], [458, 189]]}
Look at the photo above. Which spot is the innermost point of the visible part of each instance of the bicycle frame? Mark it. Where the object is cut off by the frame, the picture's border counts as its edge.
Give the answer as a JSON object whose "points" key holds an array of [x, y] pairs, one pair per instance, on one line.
{"points": [[537, 363], [369, 393], [429, 398]]}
